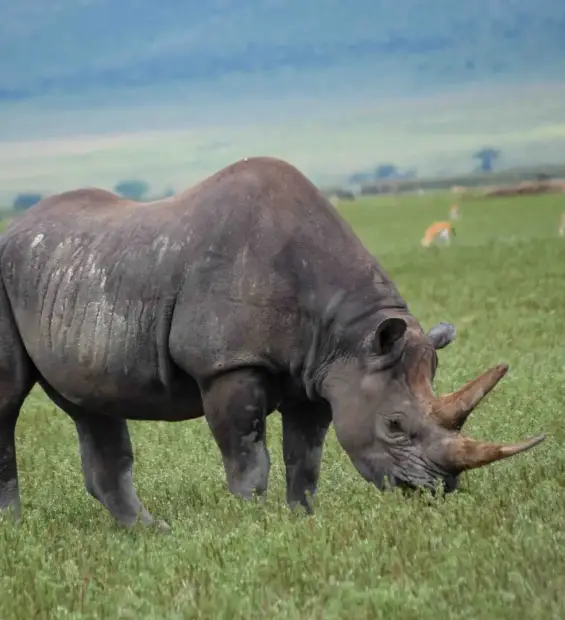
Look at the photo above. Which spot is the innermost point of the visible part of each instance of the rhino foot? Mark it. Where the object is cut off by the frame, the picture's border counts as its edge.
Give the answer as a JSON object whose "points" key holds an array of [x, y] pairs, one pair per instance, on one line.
{"points": [[107, 464], [145, 520], [162, 526], [11, 400], [10, 498], [305, 426], [235, 407]]}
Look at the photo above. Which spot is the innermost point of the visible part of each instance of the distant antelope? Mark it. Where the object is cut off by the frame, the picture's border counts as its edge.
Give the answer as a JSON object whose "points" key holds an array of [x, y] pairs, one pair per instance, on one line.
{"points": [[562, 225], [438, 230], [454, 212]]}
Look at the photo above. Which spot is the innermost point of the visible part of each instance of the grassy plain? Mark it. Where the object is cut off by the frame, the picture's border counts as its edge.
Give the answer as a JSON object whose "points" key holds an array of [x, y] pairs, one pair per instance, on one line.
{"points": [[496, 549], [52, 144]]}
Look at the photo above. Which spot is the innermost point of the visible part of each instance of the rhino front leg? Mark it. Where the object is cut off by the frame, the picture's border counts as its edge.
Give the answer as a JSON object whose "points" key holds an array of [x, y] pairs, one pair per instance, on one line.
{"points": [[107, 464], [305, 426], [236, 406]]}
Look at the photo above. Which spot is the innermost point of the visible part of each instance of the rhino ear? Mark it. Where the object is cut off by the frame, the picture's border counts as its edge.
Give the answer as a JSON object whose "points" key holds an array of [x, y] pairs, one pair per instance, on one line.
{"points": [[388, 333], [442, 334], [385, 348]]}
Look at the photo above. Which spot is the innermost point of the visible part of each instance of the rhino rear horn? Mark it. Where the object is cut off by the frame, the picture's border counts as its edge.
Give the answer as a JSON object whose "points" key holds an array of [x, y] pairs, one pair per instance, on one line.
{"points": [[452, 410]]}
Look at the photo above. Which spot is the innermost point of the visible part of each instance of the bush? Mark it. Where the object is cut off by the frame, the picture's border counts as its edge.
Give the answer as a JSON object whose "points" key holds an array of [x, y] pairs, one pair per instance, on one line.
{"points": [[25, 201], [133, 189]]}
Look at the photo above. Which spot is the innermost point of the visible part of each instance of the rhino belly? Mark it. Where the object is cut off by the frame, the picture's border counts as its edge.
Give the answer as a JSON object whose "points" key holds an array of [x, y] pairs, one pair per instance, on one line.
{"points": [[138, 394], [108, 361], [129, 400]]}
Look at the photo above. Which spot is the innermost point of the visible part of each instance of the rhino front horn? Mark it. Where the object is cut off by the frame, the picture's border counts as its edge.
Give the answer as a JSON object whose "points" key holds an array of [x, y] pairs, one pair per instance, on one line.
{"points": [[465, 453]]}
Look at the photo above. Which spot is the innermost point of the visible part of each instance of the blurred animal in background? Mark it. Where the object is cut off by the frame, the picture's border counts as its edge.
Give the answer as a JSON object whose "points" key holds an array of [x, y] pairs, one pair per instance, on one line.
{"points": [[562, 225], [458, 190], [454, 212], [438, 231]]}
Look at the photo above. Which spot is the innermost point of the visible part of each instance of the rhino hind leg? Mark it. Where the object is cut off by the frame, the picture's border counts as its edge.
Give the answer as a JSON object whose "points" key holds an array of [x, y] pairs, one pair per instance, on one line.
{"points": [[305, 426], [107, 465], [11, 400], [236, 406], [17, 374]]}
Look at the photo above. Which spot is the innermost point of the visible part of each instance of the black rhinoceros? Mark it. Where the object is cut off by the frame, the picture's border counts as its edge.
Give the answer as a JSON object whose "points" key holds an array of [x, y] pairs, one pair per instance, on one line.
{"points": [[244, 294]]}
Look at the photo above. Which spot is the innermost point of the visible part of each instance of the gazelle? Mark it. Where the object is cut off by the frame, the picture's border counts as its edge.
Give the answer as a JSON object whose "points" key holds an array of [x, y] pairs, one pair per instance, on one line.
{"points": [[438, 231], [454, 212], [562, 225]]}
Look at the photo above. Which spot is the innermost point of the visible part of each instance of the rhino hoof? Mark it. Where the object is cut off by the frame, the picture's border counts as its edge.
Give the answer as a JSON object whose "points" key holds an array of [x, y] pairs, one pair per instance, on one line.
{"points": [[161, 525]]}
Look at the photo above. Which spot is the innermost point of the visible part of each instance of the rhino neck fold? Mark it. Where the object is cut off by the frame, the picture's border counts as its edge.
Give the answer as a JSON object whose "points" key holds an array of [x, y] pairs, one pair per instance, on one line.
{"points": [[333, 337]]}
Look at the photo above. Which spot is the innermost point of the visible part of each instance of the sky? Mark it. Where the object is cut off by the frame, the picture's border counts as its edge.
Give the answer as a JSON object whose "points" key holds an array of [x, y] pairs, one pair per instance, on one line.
{"points": [[92, 91]]}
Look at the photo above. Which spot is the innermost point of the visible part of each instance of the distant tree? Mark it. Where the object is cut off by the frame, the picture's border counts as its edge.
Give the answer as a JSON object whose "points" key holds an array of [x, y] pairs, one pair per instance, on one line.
{"points": [[386, 171], [358, 178], [133, 189], [343, 194], [25, 200], [381, 173], [486, 157]]}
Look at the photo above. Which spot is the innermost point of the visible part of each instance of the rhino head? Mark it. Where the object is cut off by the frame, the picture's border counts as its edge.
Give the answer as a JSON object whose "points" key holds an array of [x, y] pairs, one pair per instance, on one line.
{"points": [[390, 422]]}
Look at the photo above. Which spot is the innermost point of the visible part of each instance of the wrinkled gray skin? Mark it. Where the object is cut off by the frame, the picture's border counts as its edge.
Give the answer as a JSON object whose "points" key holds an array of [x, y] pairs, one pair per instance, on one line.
{"points": [[245, 294]]}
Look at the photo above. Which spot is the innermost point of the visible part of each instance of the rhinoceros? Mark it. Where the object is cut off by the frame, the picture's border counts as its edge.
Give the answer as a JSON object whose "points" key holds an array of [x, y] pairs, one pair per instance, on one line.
{"points": [[246, 294]]}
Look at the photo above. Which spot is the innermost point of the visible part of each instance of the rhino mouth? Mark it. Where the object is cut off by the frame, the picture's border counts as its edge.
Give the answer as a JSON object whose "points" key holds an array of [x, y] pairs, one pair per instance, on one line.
{"points": [[428, 477], [448, 484], [411, 484]]}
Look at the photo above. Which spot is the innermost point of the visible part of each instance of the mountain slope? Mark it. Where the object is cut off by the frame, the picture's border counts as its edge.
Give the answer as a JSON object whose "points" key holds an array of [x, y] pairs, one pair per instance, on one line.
{"points": [[62, 46]]}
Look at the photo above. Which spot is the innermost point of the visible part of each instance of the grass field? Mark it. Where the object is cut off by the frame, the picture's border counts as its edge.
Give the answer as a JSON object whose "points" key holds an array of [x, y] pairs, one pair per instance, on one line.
{"points": [[496, 549], [53, 144]]}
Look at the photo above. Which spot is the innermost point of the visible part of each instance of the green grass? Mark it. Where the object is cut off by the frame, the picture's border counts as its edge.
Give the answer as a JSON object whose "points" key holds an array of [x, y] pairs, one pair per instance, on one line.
{"points": [[494, 550]]}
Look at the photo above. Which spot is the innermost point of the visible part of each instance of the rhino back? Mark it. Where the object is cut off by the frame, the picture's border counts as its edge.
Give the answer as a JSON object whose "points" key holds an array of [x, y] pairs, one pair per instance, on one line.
{"points": [[278, 255], [121, 295]]}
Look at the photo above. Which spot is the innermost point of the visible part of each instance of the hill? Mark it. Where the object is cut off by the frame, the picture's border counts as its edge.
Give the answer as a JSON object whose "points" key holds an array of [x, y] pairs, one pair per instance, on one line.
{"points": [[81, 46]]}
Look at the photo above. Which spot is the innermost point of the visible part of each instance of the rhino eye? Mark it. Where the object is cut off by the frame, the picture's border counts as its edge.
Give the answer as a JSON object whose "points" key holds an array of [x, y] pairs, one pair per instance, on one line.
{"points": [[394, 426]]}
